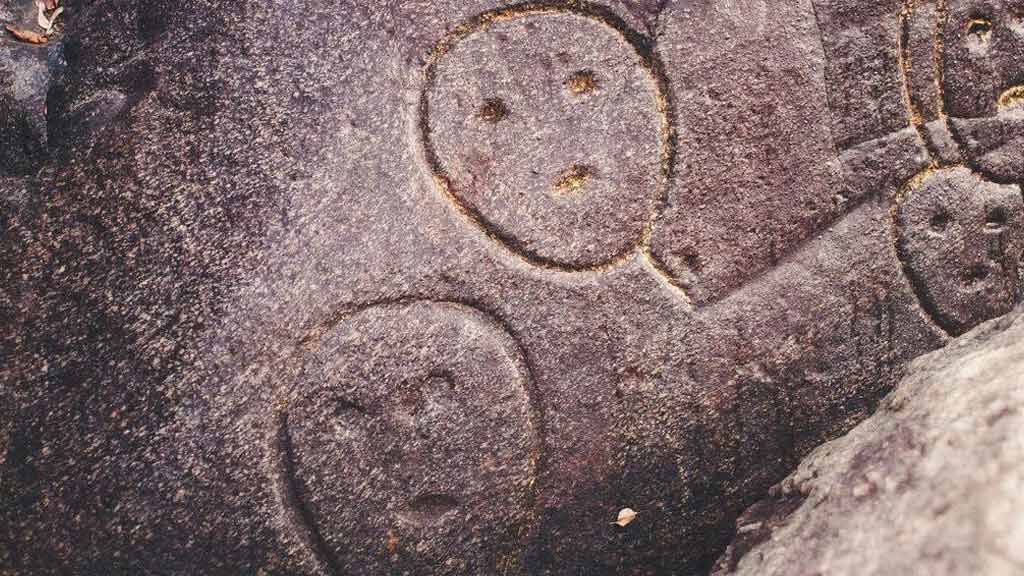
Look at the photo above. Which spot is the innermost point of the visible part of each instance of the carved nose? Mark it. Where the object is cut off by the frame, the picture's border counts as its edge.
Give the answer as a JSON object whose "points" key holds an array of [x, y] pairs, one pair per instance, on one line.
{"points": [[574, 179], [976, 274]]}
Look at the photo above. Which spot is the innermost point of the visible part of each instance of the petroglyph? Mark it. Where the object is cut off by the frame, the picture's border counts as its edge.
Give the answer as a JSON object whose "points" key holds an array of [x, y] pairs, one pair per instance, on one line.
{"points": [[235, 331], [961, 239], [583, 90], [406, 417]]}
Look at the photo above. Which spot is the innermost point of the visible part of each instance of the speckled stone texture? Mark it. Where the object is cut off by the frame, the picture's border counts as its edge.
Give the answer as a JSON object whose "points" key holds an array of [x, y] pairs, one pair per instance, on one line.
{"points": [[931, 484], [438, 287]]}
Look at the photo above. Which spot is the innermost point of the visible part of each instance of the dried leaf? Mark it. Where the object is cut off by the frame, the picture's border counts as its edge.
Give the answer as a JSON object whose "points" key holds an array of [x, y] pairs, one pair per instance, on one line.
{"points": [[27, 36], [626, 515], [392, 543], [52, 4]]}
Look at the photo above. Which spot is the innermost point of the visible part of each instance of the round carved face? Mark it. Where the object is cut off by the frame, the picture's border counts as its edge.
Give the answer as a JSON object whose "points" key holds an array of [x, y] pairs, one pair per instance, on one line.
{"points": [[961, 240], [547, 128], [406, 418], [983, 76]]}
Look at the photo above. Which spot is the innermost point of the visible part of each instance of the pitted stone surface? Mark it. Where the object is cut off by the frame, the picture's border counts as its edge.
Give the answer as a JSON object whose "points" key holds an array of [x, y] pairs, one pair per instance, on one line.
{"points": [[241, 196], [982, 47], [720, 227], [994, 145]]}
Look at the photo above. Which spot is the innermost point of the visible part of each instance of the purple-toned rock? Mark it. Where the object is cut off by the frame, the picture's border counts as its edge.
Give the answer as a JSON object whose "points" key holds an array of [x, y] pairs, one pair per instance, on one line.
{"points": [[441, 287]]}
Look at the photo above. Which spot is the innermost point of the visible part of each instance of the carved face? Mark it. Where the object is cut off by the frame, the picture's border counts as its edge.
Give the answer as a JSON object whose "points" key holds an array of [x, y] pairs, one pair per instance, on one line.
{"points": [[407, 417], [984, 83], [546, 128], [961, 240]]}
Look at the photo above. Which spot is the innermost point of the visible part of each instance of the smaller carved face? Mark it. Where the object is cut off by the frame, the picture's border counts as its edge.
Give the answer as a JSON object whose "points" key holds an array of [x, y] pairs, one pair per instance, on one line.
{"points": [[984, 57], [961, 240], [984, 84]]}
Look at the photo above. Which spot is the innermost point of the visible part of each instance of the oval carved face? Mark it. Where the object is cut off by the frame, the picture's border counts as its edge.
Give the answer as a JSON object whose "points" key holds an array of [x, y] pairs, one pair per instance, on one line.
{"points": [[961, 239], [406, 419], [983, 77], [547, 128]]}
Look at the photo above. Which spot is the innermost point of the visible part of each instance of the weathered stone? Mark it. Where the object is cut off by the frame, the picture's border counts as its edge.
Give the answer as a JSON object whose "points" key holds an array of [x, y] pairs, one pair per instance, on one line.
{"points": [[931, 484], [652, 249]]}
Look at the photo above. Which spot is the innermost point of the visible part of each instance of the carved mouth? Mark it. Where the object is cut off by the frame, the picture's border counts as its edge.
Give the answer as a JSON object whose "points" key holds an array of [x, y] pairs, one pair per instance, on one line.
{"points": [[428, 509], [1014, 97]]}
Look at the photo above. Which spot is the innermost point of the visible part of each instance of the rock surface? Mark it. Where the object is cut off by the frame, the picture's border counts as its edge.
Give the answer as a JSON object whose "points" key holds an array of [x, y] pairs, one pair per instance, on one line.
{"points": [[931, 484], [299, 283]]}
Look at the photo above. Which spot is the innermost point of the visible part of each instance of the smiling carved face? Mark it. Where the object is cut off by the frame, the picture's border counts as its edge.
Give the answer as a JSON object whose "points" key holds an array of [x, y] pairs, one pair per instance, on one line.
{"points": [[983, 79]]}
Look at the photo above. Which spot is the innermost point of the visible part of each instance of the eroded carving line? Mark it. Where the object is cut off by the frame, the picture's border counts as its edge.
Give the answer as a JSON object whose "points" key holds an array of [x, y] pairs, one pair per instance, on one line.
{"points": [[905, 64], [286, 485], [829, 101], [917, 284], [661, 272], [939, 56], [922, 304]]}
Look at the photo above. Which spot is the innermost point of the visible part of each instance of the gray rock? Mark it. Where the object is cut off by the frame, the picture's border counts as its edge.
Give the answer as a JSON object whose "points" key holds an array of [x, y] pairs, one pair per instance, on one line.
{"points": [[440, 287], [931, 484]]}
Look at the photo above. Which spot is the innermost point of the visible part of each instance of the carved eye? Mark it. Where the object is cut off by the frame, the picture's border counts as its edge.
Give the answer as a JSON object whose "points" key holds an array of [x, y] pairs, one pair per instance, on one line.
{"points": [[574, 179], [345, 408], [997, 218], [939, 222], [582, 82], [980, 28], [493, 110]]}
